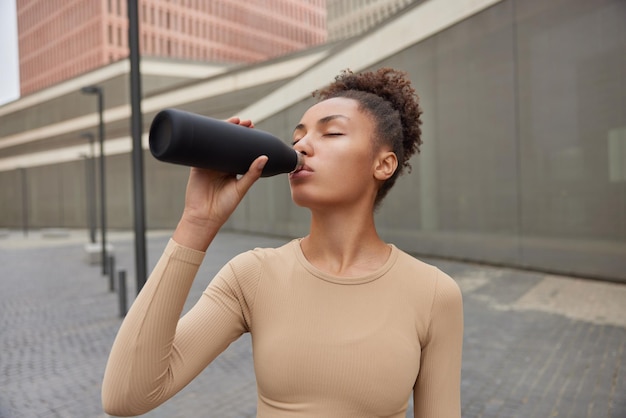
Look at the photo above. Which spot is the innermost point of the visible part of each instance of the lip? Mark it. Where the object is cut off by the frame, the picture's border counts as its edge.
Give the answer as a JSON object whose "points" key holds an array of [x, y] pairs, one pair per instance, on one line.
{"points": [[303, 171]]}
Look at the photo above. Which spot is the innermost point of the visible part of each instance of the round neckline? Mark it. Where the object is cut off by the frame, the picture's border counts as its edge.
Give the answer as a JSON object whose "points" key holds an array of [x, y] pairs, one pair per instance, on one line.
{"points": [[348, 280]]}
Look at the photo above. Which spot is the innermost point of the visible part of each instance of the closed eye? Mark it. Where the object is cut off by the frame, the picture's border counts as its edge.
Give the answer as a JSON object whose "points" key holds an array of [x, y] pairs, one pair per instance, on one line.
{"points": [[295, 141]]}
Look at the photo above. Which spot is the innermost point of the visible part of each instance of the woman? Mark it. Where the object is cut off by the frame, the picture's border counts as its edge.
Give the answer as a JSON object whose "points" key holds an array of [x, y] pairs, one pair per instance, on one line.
{"points": [[342, 323]]}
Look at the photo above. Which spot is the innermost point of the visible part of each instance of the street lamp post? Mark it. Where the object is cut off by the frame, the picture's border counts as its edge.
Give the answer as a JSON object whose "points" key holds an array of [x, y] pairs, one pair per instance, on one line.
{"points": [[136, 129], [24, 200], [90, 182], [97, 90]]}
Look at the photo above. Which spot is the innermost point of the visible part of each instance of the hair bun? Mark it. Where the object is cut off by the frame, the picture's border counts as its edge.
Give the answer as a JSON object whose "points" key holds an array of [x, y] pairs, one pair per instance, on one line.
{"points": [[395, 87]]}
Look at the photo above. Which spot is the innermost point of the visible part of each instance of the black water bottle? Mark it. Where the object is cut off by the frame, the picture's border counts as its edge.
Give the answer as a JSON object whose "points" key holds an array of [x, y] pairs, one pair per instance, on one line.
{"points": [[193, 140]]}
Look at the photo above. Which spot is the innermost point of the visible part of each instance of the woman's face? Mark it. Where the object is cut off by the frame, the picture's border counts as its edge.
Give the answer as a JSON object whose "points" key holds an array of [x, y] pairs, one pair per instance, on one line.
{"points": [[337, 139]]}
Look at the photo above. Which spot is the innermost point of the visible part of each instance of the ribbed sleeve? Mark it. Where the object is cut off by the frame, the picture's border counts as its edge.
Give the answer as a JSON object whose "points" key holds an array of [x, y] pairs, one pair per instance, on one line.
{"points": [[154, 354], [437, 390]]}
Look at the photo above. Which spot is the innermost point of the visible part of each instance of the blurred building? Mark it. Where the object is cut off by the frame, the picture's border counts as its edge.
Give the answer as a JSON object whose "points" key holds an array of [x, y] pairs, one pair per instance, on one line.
{"points": [[524, 155], [348, 18], [59, 40]]}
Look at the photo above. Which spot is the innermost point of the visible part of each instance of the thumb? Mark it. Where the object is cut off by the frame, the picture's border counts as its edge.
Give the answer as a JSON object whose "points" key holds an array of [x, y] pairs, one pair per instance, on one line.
{"points": [[253, 173]]}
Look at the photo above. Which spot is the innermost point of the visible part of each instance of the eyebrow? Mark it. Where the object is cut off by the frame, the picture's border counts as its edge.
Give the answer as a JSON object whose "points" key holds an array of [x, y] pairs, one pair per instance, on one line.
{"points": [[322, 121]]}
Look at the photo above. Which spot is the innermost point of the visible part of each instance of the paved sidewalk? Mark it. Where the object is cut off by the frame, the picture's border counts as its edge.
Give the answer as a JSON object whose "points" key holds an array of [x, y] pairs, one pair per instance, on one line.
{"points": [[535, 345]]}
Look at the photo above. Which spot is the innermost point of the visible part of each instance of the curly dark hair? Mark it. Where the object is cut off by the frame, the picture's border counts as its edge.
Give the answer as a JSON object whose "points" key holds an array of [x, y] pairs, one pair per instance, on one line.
{"points": [[388, 96]]}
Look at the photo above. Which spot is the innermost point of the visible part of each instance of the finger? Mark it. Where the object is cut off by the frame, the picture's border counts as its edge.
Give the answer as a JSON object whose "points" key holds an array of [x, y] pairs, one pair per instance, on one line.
{"points": [[243, 122], [253, 174]]}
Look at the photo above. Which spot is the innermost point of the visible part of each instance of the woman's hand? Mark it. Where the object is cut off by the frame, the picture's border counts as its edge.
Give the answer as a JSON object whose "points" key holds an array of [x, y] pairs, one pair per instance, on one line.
{"points": [[211, 197]]}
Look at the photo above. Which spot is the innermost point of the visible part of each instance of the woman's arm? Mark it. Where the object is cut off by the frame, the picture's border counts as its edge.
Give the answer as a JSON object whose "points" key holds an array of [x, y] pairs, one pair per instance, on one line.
{"points": [[437, 392], [154, 354], [144, 366]]}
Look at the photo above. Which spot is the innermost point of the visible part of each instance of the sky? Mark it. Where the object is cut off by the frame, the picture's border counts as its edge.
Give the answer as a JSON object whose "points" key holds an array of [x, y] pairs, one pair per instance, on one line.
{"points": [[9, 61]]}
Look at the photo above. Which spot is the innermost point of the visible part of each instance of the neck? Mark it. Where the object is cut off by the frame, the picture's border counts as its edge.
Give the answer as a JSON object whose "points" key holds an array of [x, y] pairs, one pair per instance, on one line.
{"points": [[345, 243]]}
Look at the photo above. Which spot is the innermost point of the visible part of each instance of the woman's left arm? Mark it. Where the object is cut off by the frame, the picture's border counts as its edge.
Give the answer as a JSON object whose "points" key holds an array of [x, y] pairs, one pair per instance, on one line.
{"points": [[437, 391]]}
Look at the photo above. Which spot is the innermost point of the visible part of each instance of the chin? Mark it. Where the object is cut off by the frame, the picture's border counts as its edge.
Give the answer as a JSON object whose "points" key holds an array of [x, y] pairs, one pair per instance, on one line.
{"points": [[311, 198], [300, 200], [315, 202]]}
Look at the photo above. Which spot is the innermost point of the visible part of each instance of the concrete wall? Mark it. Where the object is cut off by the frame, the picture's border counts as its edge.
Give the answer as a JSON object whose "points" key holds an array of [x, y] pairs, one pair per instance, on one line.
{"points": [[523, 160], [521, 105]]}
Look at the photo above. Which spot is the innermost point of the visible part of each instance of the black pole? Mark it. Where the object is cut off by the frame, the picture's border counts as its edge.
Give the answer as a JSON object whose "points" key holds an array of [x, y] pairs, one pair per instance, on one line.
{"points": [[112, 277], [24, 201], [90, 182], [122, 293], [103, 217], [137, 154], [88, 195], [93, 215]]}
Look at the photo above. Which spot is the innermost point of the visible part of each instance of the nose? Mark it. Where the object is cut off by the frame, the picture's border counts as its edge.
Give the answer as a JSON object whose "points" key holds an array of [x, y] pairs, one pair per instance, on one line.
{"points": [[304, 146]]}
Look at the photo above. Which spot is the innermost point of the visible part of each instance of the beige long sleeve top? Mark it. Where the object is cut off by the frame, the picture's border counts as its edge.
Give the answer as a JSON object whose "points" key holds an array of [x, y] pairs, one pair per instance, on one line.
{"points": [[323, 346]]}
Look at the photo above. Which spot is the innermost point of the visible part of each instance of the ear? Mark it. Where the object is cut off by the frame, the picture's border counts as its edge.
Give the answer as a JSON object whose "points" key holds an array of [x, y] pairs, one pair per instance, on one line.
{"points": [[386, 165]]}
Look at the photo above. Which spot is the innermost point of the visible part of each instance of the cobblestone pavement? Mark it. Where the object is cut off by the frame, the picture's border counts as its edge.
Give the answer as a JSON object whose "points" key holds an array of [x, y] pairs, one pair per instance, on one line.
{"points": [[535, 345]]}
